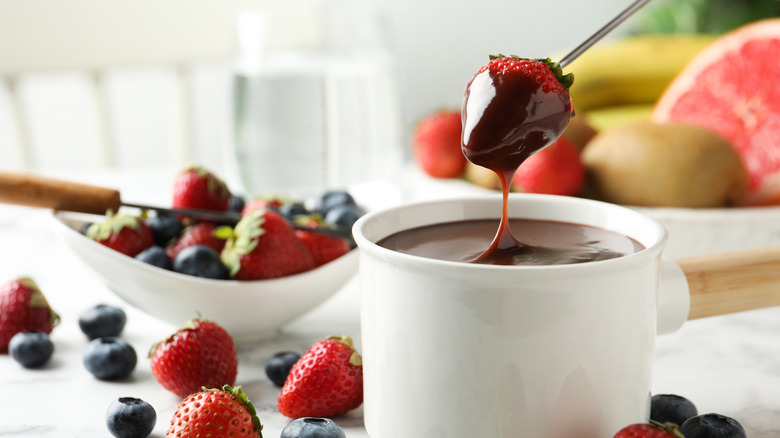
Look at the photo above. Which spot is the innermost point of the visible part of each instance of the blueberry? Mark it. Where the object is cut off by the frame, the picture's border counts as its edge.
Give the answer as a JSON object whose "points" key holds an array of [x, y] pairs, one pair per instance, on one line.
{"points": [[712, 426], [156, 256], [110, 358], [165, 227], [200, 261], [308, 427], [129, 417], [326, 201], [277, 367], [84, 228], [293, 209], [102, 320], [344, 216], [31, 348], [236, 203], [670, 408]]}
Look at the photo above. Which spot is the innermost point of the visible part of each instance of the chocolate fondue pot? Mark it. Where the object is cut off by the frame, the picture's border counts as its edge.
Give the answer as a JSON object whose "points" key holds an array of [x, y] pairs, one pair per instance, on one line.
{"points": [[463, 350]]}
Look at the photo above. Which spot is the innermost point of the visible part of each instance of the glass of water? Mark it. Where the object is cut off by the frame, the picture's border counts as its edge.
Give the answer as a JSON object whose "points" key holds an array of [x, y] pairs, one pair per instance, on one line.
{"points": [[315, 99]]}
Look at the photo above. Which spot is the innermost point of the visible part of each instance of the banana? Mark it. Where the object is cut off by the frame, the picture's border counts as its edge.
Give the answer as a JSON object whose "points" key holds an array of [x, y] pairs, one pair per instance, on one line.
{"points": [[631, 70]]}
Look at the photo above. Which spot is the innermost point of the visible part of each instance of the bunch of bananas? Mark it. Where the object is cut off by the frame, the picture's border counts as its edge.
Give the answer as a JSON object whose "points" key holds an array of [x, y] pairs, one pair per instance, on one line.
{"points": [[620, 80]]}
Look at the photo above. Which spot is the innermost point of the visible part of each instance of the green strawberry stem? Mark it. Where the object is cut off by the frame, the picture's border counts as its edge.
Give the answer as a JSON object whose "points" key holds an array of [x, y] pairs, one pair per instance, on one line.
{"points": [[669, 428], [355, 359]]}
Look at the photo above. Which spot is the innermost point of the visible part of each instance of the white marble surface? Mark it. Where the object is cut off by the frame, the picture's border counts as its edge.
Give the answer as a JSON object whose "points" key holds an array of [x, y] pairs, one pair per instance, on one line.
{"points": [[728, 364]]}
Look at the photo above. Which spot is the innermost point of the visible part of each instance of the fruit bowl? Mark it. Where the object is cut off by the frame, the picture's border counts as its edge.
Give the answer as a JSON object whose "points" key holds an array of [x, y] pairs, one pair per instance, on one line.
{"points": [[248, 310]]}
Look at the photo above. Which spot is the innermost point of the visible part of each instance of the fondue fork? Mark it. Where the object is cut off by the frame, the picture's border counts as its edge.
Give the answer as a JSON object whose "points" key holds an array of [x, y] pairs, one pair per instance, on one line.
{"points": [[607, 28], [37, 191]]}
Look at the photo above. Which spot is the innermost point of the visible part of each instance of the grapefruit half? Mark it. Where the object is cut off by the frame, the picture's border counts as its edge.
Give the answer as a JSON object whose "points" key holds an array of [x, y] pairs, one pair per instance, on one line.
{"points": [[733, 87]]}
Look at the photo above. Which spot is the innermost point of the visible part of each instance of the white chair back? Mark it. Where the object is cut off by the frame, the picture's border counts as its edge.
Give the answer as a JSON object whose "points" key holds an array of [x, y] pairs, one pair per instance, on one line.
{"points": [[97, 84]]}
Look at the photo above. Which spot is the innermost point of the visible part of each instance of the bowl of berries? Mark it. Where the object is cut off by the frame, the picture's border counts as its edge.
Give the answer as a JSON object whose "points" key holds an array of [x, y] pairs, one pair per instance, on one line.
{"points": [[276, 260]]}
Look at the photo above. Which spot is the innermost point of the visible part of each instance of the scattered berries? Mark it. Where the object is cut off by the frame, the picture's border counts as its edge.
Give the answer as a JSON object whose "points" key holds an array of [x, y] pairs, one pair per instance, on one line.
{"points": [[121, 232], [216, 412], [343, 216], [31, 349], [197, 188], [436, 143], [23, 308], [555, 170], [671, 408], [130, 417], [264, 245], [201, 353], [324, 202], [102, 320], [110, 358], [309, 427], [165, 228], [156, 256], [204, 233], [200, 261], [649, 430], [323, 248], [326, 381], [277, 367], [712, 426]]}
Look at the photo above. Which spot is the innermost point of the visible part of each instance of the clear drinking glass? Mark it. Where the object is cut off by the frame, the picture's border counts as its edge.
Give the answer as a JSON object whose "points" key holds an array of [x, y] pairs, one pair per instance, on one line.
{"points": [[315, 98]]}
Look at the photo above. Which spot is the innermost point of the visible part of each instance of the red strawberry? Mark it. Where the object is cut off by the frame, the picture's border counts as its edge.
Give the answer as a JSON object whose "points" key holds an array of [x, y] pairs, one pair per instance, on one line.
{"points": [[203, 233], [556, 169], [649, 430], [216, 412], [512, 108], [196, 187], [327, 380], [437, 144], [263, 202], [23, 308], [124, 233], [264, 245], [199, 354], [323, 248]]}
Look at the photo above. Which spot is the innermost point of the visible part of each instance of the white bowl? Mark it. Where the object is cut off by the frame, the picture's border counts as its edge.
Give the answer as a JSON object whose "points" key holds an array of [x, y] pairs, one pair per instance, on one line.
{"points": [[248, 310]]}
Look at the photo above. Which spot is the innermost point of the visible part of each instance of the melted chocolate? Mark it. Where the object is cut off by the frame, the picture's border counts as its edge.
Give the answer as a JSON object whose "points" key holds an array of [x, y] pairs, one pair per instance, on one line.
{"points": [[547, 242], [506, 119]]}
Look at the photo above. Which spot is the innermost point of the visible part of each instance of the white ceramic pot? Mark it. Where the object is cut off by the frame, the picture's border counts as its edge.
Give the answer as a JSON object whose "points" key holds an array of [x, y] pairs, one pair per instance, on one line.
{"points": [[458, 350]]}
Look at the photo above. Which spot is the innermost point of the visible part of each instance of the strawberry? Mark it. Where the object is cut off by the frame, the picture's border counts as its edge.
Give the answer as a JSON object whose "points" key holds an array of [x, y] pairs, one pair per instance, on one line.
{"points": [[216, 412], [327, 380], [201, 353], [121, 232], [203, 233], [652, 429], [556, 169], [436, 143], [197, 188], [323, 248], [23, 308], [263, 202], [263, 245], [512, 108]]}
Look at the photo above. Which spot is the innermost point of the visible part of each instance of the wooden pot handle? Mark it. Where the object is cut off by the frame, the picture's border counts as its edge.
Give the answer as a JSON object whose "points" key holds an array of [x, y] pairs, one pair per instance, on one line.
{"points": [[733, 282], [38, 191]]}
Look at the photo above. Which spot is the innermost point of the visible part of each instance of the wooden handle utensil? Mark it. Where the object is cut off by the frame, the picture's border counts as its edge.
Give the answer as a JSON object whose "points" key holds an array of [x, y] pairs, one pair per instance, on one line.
{"points": [[733, 282], [37, 191]]}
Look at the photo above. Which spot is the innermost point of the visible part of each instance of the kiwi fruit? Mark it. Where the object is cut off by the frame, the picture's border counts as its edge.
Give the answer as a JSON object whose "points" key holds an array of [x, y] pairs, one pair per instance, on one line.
{"points": [[664, 165]]}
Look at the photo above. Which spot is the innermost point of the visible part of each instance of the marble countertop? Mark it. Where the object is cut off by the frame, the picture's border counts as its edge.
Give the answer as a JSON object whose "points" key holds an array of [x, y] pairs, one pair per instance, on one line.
{"points": [[727, 364]]}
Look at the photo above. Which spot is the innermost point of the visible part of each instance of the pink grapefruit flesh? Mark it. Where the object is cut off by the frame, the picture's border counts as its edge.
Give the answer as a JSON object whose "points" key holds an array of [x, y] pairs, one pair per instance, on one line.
{"points": [[733, 88]]}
